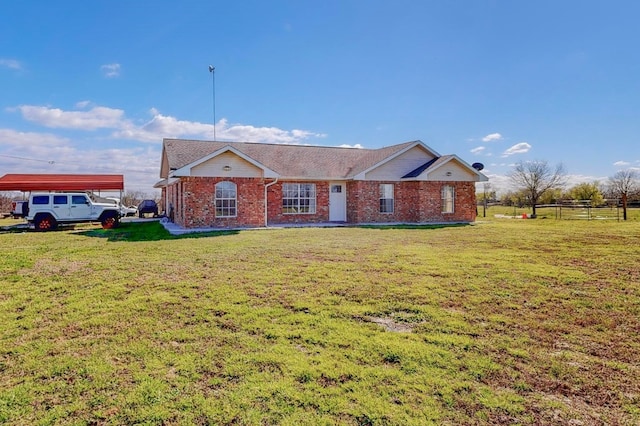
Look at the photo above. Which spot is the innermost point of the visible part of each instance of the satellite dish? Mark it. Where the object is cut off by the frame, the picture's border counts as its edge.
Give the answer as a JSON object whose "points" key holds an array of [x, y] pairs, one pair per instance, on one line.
{"points": [[478, 166]]}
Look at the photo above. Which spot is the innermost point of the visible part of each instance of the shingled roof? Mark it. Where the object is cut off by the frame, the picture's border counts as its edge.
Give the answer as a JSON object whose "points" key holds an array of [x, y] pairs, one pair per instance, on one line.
{"points": [[300, 161]]}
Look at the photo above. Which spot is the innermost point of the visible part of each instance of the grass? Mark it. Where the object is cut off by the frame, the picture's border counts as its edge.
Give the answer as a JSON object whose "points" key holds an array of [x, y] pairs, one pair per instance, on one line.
{"points": [[503, 322]]}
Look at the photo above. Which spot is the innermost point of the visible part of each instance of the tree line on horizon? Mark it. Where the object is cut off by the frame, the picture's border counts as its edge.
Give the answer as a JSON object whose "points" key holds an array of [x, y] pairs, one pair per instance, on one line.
{"points": [[538, 183]]}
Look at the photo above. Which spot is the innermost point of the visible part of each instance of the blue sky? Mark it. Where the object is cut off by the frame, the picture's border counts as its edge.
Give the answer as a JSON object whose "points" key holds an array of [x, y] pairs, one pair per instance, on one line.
{"points": [[94, 86]]}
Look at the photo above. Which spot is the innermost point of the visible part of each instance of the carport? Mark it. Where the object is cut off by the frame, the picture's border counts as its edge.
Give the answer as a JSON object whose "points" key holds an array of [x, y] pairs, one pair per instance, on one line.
{"points": [[64, 182]]}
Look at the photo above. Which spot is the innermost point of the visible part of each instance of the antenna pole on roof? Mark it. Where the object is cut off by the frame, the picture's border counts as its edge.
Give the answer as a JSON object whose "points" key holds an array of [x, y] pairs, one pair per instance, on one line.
{"points": [[212, 70]]}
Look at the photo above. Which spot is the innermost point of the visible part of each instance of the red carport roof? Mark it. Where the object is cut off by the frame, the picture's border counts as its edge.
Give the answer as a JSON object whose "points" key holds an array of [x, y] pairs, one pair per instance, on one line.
{"points": [[51, 182]]}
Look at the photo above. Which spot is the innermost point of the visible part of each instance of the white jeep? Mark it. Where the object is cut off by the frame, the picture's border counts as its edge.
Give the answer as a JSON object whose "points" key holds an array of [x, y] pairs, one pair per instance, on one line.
{"points": [[47, 210]]}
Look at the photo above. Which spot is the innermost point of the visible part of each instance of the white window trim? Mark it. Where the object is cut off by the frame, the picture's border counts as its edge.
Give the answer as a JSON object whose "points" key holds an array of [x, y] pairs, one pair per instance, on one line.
{"points": [[448, 197], [393, 198], [312, 199], [216, 199]]}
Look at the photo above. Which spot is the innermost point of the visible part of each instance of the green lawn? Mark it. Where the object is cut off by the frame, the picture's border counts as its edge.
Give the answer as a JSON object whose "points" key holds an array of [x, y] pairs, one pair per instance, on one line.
{"points": [[502, 322]]}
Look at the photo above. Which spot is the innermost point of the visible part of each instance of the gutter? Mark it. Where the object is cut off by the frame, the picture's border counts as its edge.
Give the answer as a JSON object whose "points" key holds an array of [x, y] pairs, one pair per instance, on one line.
{"points": [[265, 201]]}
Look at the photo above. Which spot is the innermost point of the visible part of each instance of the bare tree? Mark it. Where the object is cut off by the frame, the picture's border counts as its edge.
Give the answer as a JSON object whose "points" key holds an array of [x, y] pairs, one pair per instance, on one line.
{"points": [[5, 200], [624, 184], [535, 178], [133, 198]]}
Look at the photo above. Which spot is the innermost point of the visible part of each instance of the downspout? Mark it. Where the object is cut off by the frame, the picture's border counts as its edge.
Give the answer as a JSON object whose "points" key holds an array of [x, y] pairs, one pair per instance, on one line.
{"points": [[266, 204], [167, 203]]}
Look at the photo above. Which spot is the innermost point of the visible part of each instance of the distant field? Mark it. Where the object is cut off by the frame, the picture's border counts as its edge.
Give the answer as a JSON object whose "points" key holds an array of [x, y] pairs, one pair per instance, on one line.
{"points": [[564, 213], [503, 322]]}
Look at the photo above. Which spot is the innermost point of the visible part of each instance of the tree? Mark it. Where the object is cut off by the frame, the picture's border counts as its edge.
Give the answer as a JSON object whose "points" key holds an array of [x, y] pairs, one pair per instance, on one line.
{"points": [[534, 178], [512, 198], [624, 184], [5, 201], [133, 198], [587, 191], [485, 196], [551, 196]]}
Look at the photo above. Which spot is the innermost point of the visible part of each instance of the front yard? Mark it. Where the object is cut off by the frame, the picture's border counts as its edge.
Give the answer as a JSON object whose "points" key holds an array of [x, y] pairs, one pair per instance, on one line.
{"points": [[503, 322]]}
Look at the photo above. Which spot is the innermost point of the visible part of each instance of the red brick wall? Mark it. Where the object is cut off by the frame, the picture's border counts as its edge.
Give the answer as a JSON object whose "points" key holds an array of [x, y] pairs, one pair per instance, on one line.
{"points": [[173, 193], [415, 202], [275, 205], [199, 207], [464, 202]]}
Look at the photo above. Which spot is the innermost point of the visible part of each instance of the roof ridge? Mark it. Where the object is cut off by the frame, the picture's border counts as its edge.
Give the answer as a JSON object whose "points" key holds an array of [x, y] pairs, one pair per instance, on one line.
{"points": [[290, 144]]}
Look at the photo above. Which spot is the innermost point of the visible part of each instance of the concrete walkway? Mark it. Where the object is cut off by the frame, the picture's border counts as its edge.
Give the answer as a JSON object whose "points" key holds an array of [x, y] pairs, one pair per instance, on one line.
{"points": [[178, 230]]}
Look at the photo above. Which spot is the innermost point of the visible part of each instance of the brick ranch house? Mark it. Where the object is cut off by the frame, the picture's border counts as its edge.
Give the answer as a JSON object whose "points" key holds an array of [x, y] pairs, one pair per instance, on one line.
{"points": [[238, 184]]}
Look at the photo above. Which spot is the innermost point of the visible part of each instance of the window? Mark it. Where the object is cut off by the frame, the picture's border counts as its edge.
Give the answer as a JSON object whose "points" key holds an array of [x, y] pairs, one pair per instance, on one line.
{"points": [[225, 199], [79, 199], [40, 199], [448, 195], [298, 198], [60, 199], [386, 198]]}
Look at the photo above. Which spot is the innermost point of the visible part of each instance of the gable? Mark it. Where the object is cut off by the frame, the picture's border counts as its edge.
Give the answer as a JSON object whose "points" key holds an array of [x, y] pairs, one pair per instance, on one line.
{"points": [[451, 171], [227, 164], [446, 168], [216, 164], [400, 165]]}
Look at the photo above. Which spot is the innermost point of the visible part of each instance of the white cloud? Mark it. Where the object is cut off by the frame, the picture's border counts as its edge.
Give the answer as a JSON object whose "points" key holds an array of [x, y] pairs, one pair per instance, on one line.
{"points": [[111, 70], [162, 126], [345, 145], [499, 182], [25, 140], [82, 104], [519, 148], [95, 118], [11, 64], [621, 164], [247, 133], [492, 137], [478, 150], [575, 179]]}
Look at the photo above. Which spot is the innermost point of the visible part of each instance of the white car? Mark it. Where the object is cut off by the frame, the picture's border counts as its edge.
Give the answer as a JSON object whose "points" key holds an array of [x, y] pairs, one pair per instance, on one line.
{"points": [[128, 211], [124, 210]]}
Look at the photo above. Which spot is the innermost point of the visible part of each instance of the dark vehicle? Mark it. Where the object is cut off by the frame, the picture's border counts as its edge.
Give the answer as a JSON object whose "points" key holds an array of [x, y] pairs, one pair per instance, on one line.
{"points": [[147, 206]]}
